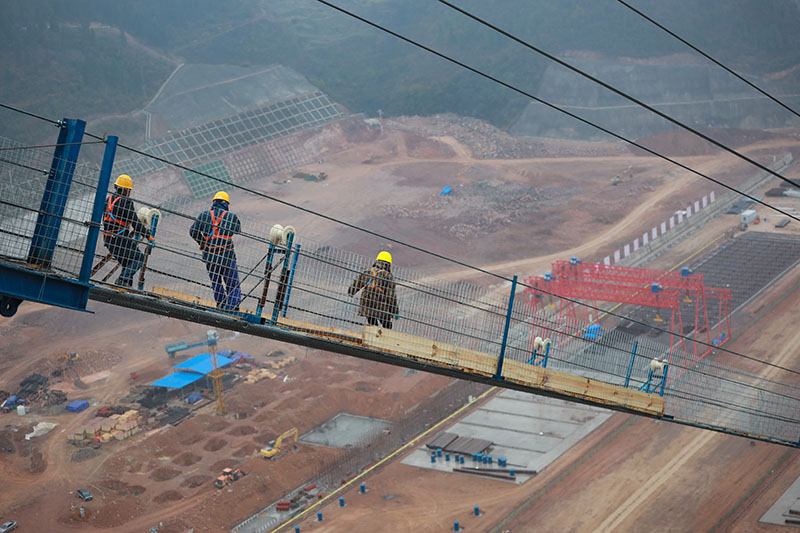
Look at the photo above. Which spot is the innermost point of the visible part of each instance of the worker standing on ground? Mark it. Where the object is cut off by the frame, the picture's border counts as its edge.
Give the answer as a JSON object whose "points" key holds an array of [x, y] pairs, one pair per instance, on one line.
{"points": [[379, 297], [120, 224], [213, 230]]}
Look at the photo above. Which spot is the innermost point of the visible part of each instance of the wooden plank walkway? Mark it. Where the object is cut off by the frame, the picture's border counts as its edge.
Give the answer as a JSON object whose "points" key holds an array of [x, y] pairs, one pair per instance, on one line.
{"points": [[532, 376], [189, 298]]}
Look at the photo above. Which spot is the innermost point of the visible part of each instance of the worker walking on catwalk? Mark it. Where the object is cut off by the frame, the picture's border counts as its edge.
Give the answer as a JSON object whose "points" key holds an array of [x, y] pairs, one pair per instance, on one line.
{"points": [[120, 224], [213, 231], [378, 297]]}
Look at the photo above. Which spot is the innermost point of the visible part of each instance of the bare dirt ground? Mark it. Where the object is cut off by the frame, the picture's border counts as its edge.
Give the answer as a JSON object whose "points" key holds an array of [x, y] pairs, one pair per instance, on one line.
{"points": [[507, 215]]}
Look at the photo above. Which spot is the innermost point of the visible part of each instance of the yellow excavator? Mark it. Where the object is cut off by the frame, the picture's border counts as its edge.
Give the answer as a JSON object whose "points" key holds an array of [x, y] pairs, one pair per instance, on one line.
{"points": [[63, 364], [275, 449]]}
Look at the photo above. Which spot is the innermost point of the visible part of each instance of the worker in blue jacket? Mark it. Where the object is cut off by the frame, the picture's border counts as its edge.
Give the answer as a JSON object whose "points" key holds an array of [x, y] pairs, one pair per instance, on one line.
{"points": [[213, 231]]}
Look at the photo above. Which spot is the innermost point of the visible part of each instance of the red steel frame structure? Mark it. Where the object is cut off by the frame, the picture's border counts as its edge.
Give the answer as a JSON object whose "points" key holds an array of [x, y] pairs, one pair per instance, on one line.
{"points": [[661, 289]]}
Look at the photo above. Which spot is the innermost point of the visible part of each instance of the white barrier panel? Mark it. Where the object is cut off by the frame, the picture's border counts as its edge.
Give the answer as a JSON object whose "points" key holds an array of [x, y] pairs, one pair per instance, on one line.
{"points": [[644, 239], [705, 201], [654, 233], [635, 244], [616, 256], [627, 250], [712, 196], [663, 228], [688, 211], [671, 222], [606, 260], [696, 206]]}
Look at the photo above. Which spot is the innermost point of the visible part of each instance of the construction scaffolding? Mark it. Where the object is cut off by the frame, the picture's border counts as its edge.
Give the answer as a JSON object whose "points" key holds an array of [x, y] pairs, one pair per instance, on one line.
{"points": [[295, 289]]}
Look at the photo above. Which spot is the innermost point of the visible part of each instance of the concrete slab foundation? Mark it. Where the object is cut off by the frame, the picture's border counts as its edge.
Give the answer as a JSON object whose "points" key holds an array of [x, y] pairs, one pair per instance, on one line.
{"points": [[529, 431], [345, 431], [780, 513]]}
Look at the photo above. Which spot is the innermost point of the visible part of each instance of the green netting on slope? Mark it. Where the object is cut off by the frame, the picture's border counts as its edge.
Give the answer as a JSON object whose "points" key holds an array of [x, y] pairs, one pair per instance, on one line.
{"points": [[203, 187]]}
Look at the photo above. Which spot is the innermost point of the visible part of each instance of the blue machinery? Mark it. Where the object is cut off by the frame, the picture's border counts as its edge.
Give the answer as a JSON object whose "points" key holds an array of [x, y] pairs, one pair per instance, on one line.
{"points": [[34, 282], [35, 277]]}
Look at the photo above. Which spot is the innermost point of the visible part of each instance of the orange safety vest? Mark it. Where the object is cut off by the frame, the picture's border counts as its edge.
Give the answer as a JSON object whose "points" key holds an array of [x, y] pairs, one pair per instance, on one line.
{"points": [[112, 220], [216, 235]]}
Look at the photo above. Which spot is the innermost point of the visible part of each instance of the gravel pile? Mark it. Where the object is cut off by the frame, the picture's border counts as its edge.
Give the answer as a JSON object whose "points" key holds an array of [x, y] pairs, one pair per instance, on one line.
{"points": [[488, 142]]}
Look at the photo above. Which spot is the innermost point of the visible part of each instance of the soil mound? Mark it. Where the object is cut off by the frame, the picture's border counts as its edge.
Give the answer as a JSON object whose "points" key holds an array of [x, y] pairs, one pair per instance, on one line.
{"points": [[239, 431], [244, 451], [186, 459], [215, 444], [84, 454], [192, 439], [196, 481], [164, 473], [218, 425], [168, 496], [222, 464]]}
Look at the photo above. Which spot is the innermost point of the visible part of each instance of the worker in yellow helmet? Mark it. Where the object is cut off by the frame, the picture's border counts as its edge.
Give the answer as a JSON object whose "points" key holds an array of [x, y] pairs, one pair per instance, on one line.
{"points": [[120, 224], [213, 231], [378, 297]]}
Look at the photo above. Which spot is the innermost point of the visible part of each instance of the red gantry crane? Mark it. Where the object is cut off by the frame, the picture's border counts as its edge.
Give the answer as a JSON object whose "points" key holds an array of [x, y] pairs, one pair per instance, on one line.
{"points": [[574, 280]]}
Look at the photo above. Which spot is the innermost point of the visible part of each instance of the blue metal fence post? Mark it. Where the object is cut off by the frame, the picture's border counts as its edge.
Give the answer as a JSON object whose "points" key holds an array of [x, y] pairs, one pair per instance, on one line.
{"points": [[499, 373], [630, 365], [646, 386], [98, 207], [291, 279], [54, 199]]}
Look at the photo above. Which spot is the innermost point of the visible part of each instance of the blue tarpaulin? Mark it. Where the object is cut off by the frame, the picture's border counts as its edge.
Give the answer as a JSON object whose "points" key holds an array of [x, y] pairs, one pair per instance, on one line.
{"points": [[77, 406], [593, 332], [446, 190], [191, 370], [177, 380], [202, 363]]}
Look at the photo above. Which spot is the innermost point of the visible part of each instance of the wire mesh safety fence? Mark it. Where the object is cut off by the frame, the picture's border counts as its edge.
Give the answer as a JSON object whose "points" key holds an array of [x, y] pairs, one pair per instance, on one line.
{"points": [[26, 202], [457, 324], [225, 263]]}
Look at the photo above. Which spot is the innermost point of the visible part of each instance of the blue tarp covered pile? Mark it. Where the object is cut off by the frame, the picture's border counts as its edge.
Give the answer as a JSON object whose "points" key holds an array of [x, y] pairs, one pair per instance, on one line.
{"points": [[77, 406], [194, 398]]}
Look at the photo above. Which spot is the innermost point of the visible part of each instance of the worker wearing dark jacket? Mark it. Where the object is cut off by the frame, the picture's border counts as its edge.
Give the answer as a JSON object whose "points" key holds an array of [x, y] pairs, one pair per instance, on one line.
{"points": [[213, 231], [120, 223], [378, 297]]}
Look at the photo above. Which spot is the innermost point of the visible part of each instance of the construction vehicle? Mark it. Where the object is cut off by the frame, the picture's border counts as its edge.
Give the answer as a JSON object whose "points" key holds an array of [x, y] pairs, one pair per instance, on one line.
{"points": [[625, 175], [276, 448], [64, 362], [229, 475]]}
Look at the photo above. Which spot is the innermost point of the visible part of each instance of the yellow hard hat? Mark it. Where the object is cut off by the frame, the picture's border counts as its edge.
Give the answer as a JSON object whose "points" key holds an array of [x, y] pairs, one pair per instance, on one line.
{"points": [[222, 195], [384, 256], [124, 182]]}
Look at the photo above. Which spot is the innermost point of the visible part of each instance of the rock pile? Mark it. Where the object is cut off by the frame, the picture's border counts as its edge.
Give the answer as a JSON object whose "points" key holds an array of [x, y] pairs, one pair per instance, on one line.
{"points": [[489, 142]]}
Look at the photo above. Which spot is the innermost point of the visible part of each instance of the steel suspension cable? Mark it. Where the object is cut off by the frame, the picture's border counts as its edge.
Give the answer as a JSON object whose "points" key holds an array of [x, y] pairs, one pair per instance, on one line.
{"points": [[456, 261]]}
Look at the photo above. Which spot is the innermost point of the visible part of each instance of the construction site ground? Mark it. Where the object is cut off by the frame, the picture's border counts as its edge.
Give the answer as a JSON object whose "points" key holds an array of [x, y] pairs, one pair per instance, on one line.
{"points": [[626, 473]]}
